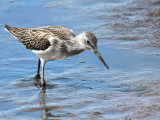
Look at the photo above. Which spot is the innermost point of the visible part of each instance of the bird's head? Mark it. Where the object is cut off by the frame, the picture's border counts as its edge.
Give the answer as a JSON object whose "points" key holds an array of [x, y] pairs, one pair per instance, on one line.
{"points": [[89, 41]]}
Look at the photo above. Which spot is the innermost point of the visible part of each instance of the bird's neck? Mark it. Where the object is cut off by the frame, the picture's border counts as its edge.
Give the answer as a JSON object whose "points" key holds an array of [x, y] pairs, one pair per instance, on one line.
{"points": [[73, 46], [79, 42]]}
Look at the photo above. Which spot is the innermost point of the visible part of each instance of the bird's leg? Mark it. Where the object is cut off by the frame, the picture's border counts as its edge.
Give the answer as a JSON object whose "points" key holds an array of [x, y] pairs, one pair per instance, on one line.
{"points": [[38, 75], [43, 83]]}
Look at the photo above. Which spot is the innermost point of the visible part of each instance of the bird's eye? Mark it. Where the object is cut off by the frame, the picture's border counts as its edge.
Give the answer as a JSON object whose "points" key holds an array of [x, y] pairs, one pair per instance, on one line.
{"points": [[88, 42]]}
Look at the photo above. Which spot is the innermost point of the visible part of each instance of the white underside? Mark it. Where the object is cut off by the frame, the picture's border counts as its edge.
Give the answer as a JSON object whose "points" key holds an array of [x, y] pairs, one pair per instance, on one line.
{"points": [[49, 54]]}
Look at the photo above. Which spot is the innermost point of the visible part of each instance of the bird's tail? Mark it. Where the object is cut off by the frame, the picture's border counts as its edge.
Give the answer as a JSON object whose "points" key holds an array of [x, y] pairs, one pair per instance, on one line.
{"points": [[7, 28]]}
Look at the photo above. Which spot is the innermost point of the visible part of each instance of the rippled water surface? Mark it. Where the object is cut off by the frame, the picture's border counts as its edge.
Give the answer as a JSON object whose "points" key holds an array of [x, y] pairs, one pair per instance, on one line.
{"points": [[81, 87]]}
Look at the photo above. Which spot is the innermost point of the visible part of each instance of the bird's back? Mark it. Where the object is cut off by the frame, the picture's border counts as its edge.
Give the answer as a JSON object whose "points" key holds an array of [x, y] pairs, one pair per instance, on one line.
{"points": [[38, 38], [58, 31]]}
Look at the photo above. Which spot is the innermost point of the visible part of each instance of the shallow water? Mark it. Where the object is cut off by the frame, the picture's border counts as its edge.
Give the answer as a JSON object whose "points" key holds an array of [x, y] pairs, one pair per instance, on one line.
{"points": [[81, 87]]}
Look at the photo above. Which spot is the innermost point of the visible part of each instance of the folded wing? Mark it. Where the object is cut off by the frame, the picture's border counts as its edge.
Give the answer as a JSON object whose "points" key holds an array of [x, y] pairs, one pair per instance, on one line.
{"points": [[32, 38]]}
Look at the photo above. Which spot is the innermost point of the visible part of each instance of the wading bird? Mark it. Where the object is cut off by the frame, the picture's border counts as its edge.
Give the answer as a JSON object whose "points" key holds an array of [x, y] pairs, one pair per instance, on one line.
{"points": [[53, 43]]}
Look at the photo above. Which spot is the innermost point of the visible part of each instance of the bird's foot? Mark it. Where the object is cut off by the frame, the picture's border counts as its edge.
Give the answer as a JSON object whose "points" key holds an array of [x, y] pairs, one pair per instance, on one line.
{"points": [[43, 84], [39, 85], [37, 76]]}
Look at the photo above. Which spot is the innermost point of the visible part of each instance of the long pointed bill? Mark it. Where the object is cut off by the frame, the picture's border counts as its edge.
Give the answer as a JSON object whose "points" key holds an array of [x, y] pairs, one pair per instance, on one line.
{"points": [[100, 57]]}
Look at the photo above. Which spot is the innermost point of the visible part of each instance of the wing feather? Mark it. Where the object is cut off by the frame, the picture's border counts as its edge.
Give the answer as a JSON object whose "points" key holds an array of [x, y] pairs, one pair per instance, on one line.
{"points": [[38, 38], [32, 38], [60, 32]]}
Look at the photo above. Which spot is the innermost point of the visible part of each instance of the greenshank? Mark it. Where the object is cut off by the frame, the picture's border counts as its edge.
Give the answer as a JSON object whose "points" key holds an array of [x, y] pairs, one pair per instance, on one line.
{"points": [[53, 43]]}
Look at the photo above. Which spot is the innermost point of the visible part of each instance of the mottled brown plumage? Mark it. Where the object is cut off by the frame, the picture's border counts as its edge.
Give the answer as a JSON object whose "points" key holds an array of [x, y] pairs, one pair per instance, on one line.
{"points": [[62, 32], [54, 42], [38, 38]]}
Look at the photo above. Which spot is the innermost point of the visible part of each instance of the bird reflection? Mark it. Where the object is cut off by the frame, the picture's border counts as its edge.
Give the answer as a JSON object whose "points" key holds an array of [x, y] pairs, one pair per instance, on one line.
{"points": [[46, 109], [49, 111], [43, 104], [42, 100]]}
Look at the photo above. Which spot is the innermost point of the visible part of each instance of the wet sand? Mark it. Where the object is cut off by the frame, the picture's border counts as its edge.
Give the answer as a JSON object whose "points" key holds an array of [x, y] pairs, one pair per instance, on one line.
{"points": [[80, 87]]}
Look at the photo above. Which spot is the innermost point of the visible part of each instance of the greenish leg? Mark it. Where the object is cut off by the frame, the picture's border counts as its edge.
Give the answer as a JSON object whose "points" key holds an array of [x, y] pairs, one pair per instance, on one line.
{"points": [[43, 83], [38, 75]]}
